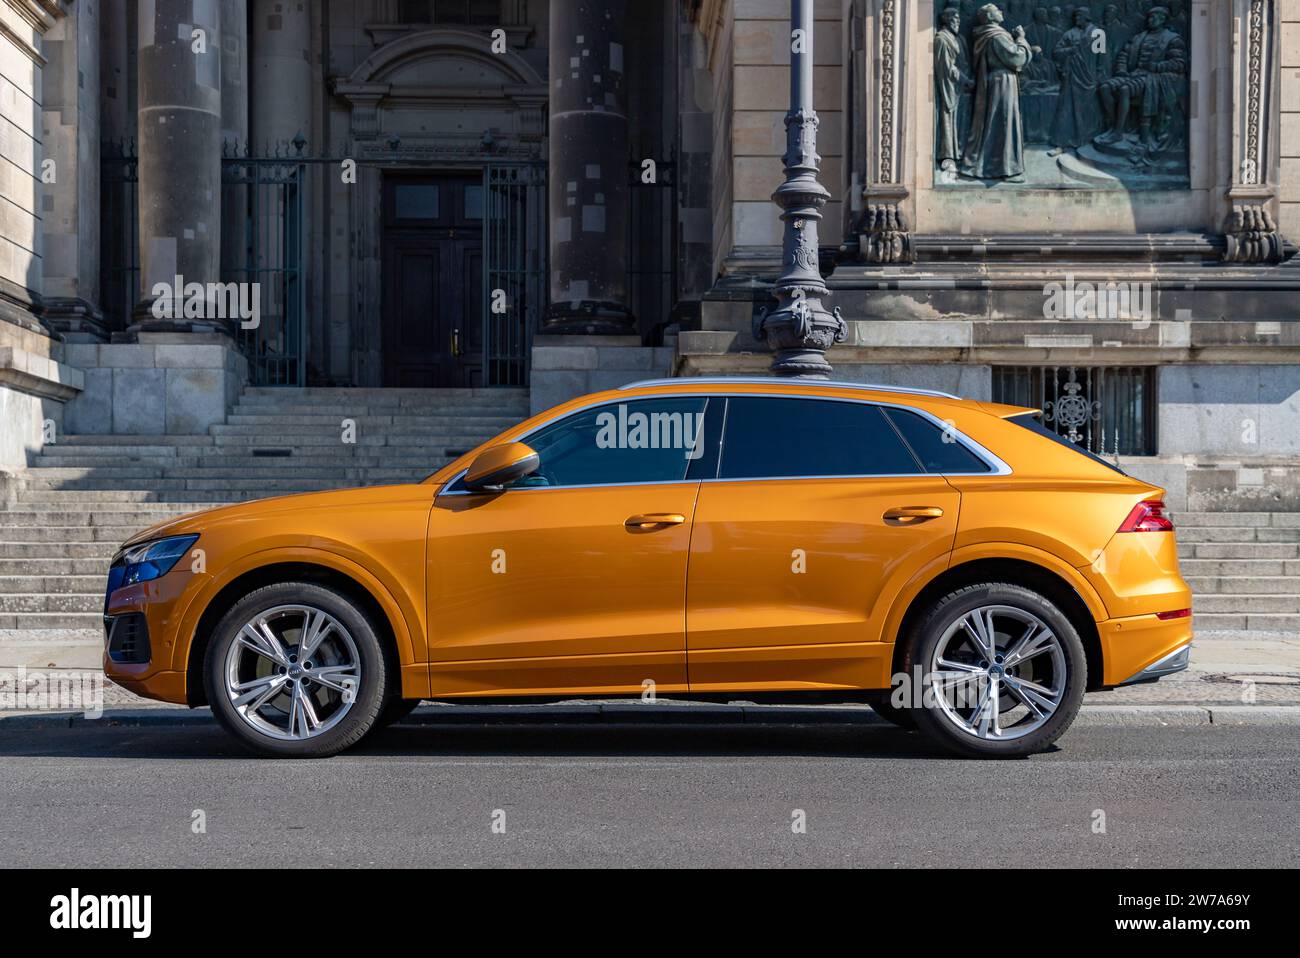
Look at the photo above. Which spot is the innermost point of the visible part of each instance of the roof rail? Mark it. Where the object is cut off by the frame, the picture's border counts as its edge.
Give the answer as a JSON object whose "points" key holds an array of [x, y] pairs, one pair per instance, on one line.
{"points": [[772, 380]]}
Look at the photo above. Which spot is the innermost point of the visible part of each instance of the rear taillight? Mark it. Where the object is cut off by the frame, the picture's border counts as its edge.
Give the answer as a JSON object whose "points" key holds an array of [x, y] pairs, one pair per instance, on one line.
{"points": [[1148, 516], [1176, 614]]}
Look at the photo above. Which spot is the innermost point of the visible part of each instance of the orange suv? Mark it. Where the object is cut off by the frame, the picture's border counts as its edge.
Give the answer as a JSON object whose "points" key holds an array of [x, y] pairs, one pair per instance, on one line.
{"points": [[951, 562]]}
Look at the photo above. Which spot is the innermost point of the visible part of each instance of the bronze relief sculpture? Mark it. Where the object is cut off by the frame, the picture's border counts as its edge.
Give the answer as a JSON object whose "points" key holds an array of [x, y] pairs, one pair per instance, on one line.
{"points": [[1101, 104]]}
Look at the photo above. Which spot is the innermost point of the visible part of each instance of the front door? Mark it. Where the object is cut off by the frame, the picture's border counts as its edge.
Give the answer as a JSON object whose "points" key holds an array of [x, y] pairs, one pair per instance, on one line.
{"points": [[433, 280], [574, 579]]}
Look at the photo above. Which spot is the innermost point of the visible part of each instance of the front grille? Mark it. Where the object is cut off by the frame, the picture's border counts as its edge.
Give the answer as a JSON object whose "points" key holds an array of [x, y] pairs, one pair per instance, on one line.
{"points": [[128, 638]]}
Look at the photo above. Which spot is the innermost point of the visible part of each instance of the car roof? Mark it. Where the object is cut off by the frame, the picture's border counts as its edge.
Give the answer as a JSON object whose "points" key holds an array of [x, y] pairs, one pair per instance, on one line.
{"points": [[784, 384]]}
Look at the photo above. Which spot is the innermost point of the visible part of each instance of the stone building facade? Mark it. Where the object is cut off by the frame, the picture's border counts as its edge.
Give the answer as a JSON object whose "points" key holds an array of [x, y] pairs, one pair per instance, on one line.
{"points": [[571, 194]]}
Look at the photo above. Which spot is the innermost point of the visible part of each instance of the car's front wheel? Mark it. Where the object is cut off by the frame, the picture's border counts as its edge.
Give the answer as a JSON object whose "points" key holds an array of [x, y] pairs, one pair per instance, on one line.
{"points": [[296, 670], [1003, 671]]}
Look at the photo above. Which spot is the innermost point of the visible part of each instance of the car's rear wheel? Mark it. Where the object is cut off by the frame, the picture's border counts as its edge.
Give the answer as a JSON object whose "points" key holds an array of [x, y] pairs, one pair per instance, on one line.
{"points": [[296, 670], [1003, 671]]}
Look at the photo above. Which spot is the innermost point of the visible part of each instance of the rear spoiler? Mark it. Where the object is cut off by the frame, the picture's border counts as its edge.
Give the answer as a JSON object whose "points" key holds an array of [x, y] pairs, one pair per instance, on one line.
{"points": [[1003, 411]]}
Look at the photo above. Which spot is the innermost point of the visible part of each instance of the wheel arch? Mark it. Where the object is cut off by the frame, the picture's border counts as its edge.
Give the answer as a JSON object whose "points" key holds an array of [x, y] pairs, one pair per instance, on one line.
{"points": [[1039, 577], [272, 574]]}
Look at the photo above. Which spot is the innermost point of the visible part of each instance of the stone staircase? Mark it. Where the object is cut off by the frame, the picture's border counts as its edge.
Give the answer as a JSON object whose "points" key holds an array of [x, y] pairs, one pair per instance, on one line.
{"points": [[82, 496], [1244, 569]]}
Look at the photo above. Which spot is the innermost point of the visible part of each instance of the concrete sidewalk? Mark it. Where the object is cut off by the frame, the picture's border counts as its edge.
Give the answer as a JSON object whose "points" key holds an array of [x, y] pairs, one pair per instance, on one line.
{"points": [[1233, 677]]}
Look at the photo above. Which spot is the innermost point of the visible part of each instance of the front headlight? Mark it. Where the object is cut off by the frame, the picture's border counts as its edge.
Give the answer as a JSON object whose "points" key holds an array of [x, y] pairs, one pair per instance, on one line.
{"points": [[148, 560]]}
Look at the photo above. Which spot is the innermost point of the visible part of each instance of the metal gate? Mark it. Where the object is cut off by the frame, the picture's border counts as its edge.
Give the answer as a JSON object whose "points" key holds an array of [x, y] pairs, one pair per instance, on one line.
{"points": [[514, 269], [270, 190], [1108, 410], [266, 194]]}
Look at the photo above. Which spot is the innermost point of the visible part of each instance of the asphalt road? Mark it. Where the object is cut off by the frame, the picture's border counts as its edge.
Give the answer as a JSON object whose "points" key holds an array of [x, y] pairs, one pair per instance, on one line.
{"points": [[602, 795]]}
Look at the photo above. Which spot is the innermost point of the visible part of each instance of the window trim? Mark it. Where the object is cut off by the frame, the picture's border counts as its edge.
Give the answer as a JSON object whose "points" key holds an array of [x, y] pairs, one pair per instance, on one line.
{"points": [[996, 465]]}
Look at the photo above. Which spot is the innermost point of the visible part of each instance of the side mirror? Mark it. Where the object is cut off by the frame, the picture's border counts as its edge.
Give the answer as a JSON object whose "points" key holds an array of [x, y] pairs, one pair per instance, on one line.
{"points": [[498, 465]]}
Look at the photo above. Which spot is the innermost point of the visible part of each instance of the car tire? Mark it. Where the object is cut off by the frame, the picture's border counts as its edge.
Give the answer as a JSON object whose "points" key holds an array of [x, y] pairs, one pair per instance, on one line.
{"points": [[1037, 668], [267, 699], [396, 710], [887, 710]]}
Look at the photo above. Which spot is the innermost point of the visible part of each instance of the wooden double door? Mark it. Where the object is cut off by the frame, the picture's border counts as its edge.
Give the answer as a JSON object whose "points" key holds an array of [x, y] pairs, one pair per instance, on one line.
{"points": [[433, 296]]}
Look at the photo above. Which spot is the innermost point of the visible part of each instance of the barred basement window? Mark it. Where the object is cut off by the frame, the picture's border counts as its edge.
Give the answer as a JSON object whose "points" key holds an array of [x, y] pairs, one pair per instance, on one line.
{"points": [[1108, 410]]}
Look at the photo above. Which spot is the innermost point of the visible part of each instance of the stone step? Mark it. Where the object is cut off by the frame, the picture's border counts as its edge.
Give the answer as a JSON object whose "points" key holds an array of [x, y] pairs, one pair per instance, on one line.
{"points": [[73, 551], [1248, 622], [341, 472], [1195, 534], [469, 412], [54, 620], [52, 534], [1244, 550], [1244, 585], [124, 496], [249, 438], [97, 439], [1239, 567], [51, 602], [1246, 603], [60, 566], [14, 520], [231, 456], [342, 464], [1237, 519], [466, 420], [266, 487], [383, 394], [83, 583]]}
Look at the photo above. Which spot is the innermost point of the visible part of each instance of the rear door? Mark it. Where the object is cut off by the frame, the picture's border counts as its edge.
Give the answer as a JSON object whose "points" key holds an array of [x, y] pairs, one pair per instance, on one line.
{"points": [[819, 513]]}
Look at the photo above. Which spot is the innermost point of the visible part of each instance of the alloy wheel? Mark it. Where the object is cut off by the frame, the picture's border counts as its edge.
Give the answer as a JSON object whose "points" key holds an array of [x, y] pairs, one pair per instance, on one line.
{"points": [[292, 672], [997, 673]]}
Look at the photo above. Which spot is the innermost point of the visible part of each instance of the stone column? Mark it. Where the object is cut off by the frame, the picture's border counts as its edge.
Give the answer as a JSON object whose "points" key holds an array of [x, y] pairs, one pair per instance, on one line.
{"points": [[880, 233], [281, 80], [1250, 228], [281, 72], [71, 120], [179, 97], [800, 329], [234, 128], [588, 171]]}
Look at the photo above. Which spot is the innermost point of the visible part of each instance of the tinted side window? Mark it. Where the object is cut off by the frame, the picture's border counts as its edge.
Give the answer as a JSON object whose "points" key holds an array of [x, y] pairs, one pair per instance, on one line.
{"points": [[769, 437], [1029, 420], [937, 452], [645, 440]]}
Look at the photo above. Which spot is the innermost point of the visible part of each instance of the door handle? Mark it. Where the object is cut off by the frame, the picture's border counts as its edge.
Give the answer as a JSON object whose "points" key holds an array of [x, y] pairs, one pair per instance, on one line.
{"points": [[648, 520], [911, 515], [455, 341]]}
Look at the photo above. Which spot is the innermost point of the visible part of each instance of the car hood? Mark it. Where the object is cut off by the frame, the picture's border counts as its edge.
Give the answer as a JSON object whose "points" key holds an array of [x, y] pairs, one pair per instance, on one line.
{"points": [[261, 508]]}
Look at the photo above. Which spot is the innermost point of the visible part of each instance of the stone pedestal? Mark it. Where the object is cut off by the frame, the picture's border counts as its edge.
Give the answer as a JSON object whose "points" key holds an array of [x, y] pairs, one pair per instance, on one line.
{"points": [[164, 383], [565, 366]]}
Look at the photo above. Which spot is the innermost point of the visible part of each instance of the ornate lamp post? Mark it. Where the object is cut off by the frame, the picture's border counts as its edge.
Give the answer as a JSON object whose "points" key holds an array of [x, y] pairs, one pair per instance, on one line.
{"points": [[800, 330]]}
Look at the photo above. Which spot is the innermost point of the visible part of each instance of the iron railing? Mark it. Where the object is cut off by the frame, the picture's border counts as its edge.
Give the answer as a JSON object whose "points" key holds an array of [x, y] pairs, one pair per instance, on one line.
{"points": [[270, 191], [514, 268], [1108, 410]]}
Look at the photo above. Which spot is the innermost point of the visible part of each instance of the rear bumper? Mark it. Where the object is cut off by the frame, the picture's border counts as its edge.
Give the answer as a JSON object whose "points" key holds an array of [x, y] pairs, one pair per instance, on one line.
{"points": [[1175, 661], [1132, 645]]}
